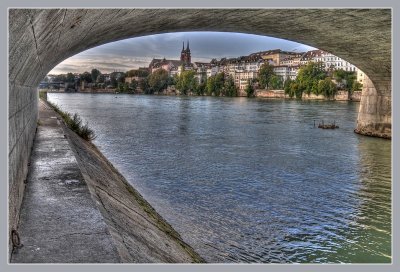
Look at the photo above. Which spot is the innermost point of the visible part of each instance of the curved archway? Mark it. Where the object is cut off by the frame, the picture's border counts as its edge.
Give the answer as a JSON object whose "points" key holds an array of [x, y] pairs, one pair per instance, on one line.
{"points": [[40, 39]]}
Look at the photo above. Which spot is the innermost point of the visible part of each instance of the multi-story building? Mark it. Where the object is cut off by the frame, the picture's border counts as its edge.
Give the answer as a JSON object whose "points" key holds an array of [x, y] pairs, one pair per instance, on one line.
{"points": [[332, 61], [328, 60], [360, 76], [212, 71], [312, 56], [242, 78], [242, 69], [286, 72], [274, 57], [292, 60]]}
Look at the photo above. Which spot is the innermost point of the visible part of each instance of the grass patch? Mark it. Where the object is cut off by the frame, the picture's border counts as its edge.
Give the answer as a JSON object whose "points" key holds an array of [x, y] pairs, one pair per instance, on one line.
{"points": [[74, 122], [43, 95]]}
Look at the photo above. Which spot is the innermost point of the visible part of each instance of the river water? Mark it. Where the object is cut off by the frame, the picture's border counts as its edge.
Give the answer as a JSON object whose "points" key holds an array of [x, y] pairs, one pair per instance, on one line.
{"points": [[251, 180]]}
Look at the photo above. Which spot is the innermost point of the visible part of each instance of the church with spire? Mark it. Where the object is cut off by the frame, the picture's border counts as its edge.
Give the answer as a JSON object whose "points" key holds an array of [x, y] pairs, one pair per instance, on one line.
{"points": [[174, 66], [185, 54]]}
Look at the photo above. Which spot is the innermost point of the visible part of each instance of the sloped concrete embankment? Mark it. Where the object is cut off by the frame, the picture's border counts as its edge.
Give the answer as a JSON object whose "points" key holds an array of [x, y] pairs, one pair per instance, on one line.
{"points": [[141, 235], [59, 221]]}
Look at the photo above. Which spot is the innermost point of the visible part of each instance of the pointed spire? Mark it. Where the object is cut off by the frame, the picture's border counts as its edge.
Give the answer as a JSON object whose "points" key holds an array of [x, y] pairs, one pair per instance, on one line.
{"points": [[187, 47], [183, 46]]}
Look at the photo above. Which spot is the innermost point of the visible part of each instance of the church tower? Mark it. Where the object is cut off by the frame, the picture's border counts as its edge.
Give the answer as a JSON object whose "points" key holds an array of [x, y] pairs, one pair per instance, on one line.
{"points": [[185, 53], [188, 56]]}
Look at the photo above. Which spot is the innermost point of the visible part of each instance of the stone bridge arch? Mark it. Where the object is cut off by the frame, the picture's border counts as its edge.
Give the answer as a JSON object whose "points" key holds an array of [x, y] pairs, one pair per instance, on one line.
{"points": [[39, 39]]}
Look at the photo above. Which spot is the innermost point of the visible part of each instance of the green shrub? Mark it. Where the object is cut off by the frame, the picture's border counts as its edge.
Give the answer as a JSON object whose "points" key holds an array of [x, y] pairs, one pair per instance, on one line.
{"points": [[43, 95], [75, 123]]}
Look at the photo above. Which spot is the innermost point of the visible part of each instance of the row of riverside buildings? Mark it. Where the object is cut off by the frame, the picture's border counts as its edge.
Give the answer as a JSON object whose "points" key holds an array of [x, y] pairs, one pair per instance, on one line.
{"points": [[285, 64]]}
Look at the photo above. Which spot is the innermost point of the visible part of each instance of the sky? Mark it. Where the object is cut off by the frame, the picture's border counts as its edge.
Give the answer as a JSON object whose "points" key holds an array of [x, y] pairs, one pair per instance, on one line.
{"points": [[133, 53]]}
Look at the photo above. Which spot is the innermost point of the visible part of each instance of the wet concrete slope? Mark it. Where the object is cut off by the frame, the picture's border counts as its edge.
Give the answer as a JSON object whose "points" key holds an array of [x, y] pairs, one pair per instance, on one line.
{"points": [[141, 235], [79, 209], [59, 221]]}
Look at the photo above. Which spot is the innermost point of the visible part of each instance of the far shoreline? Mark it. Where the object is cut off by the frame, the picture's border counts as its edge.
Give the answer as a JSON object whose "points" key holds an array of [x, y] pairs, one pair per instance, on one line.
{"points": [[260, 94]]}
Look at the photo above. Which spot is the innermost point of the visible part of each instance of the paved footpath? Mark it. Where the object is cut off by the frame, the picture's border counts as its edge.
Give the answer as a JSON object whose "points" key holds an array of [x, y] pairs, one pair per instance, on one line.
{"points": [[59, 221]]}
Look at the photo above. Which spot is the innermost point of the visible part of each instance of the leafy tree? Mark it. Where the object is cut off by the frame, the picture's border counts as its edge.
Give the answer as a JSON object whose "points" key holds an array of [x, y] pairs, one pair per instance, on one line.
{"points": [[116, 78], [123, 87], [186, 82], [113, 81], [249, 89], [60, 78], [171, 81], [137, 73], [144, 85], [158, 80], [86, 76], [201, 88], [229, 87], [101, 79], [120, 87], [327, 87], [286, 85], [95, 74], [356, 86], [70, 78], [265, 74], [219, 83], [347, 80], [308, 77], [215, 84], [275, 82], [133, 85], [210, 85], [293, 89]]}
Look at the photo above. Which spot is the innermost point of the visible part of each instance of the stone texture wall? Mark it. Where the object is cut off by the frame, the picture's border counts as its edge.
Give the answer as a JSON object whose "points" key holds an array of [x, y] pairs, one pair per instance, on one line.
{"points": [[312, 96], [40, 39], [356, 96], [271, 93], [22, 126], [342, 96], [23, 110], [375, 113]]}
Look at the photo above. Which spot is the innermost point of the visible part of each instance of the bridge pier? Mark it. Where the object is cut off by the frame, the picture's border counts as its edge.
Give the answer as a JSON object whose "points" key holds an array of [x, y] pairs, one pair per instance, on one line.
{"points": [[374, 116]]}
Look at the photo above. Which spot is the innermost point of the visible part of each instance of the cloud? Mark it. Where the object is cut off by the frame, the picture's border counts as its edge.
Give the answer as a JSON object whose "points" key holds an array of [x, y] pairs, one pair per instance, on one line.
{"points": [[138, 52]]}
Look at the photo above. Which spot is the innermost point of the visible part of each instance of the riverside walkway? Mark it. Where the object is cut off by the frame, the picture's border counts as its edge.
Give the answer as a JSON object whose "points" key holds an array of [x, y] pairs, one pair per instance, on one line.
{"points": [[59, 222], [78, 208]]}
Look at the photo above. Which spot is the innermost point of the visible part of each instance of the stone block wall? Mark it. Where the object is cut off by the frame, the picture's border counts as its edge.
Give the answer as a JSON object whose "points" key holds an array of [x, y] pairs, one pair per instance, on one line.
{"points": [[375, 113], [271, 93], [356, 96], [23, 116], [342, 96], [23, 110]]}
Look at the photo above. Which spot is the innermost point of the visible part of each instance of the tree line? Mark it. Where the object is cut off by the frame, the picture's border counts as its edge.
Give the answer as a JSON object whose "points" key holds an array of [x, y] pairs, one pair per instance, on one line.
{"points": [[311, 78]]}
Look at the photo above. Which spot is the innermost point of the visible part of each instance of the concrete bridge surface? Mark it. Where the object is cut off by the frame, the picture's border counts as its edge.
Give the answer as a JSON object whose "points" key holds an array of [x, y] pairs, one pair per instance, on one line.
{"points": [[39, 39]]}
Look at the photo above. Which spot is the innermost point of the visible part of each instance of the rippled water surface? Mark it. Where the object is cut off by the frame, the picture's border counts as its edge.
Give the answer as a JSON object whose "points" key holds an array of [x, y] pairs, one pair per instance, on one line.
{"points": [[248, 180]]}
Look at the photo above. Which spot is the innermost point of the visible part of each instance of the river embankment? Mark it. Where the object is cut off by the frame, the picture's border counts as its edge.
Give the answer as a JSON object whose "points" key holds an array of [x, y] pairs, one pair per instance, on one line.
{"points": [[339, 96], [140, 234]]}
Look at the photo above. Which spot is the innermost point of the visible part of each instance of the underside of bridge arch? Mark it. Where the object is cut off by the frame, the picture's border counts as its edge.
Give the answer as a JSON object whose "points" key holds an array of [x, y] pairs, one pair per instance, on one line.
{"points": [[39, 39]]}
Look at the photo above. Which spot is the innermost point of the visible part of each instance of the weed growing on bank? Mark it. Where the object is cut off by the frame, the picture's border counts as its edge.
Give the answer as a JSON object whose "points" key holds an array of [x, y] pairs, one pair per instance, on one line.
{"points": [[43, 95], [74, 122]]}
